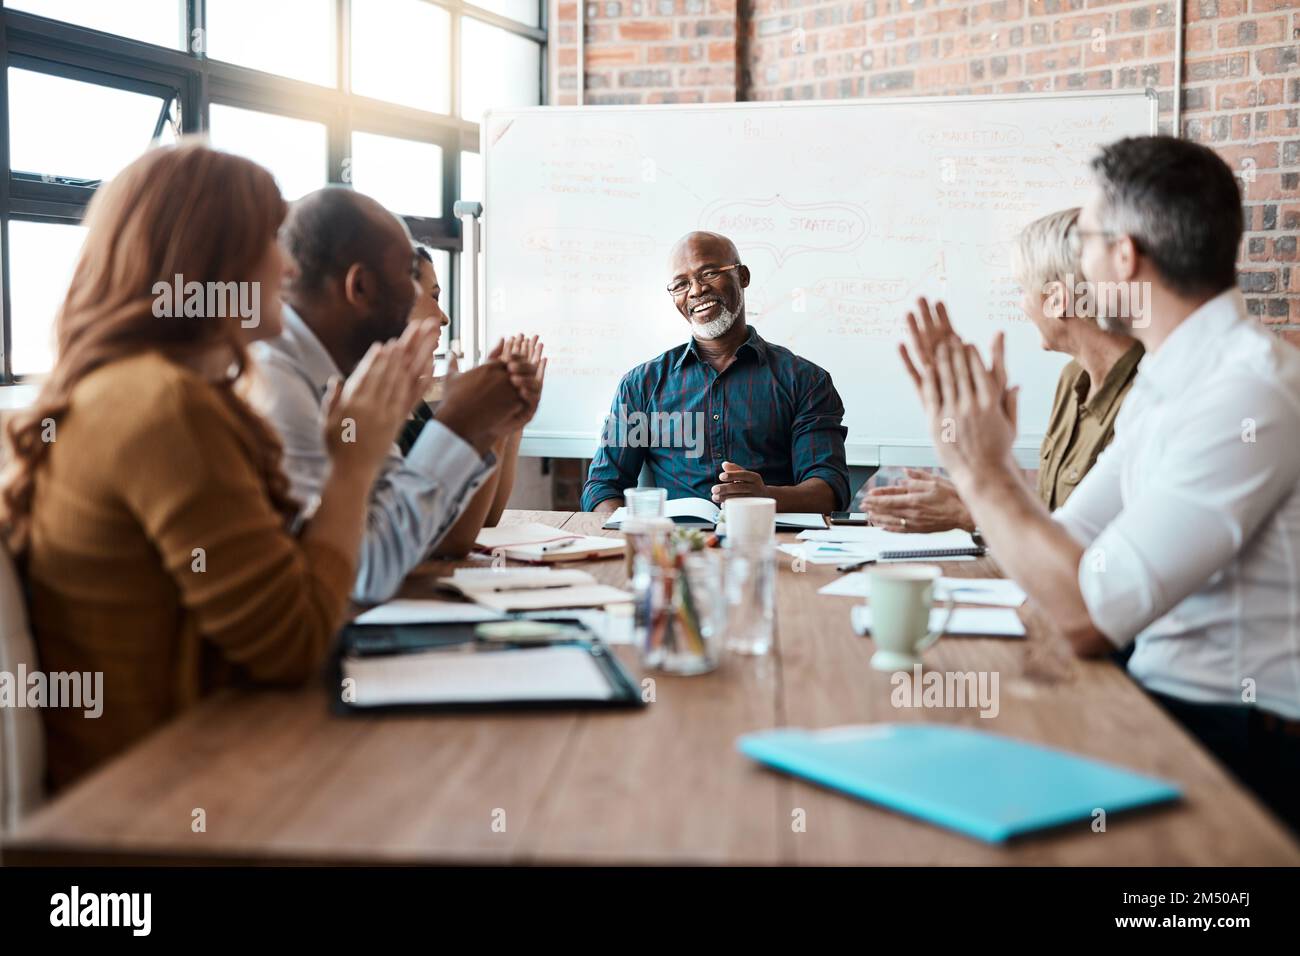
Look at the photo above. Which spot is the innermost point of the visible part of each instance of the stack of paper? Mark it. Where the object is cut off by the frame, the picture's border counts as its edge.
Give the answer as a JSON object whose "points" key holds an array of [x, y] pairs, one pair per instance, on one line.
{"points": [[405, 611], [995, 592], [532, 589], [438, 677], [851, 545], [702, 513], [878, 539], [543, 544], [515, 535], [978, 621]]}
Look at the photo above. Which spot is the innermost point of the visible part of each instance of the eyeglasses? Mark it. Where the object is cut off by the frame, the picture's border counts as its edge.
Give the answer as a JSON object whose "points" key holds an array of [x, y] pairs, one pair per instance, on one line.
{"points": [[1077, 235], [707, 277]]}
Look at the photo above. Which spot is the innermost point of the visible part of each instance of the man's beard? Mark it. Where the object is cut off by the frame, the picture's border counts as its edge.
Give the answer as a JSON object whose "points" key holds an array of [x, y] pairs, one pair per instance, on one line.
{"points": [[716, 328], [391, 314]]}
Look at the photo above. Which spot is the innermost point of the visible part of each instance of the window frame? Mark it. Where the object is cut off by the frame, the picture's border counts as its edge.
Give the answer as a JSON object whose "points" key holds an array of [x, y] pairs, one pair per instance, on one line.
{"points": [[30, 41]]}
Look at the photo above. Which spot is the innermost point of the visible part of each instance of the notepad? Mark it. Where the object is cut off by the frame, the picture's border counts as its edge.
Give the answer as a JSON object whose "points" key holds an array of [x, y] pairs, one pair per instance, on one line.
{"points": [[405, 611], [470, 580], [818, 553], [878, 539], [559, 673], [535, 599], [687, 512], [972, 621], [984, 785], [517, 535], [995, 592], [579, 548], [702, 513]]}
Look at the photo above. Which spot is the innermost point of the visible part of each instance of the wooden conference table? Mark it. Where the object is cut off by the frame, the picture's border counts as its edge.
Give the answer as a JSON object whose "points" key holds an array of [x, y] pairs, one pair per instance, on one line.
{"points": [[281, 780]]}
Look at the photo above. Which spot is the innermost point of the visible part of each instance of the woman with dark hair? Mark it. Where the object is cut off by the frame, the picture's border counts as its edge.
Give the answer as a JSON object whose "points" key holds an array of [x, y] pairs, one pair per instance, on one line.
{"points": [[144, 499], [485, 509]]}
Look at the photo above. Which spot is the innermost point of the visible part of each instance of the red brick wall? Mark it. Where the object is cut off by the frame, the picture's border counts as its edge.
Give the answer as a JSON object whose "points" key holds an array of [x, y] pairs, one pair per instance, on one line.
{"points": [[1241, 75], [652, 51]]}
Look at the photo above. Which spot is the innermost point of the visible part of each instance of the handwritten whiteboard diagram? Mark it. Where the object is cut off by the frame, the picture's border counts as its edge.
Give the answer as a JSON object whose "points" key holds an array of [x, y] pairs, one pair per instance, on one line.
{"points": [[844, 212]]}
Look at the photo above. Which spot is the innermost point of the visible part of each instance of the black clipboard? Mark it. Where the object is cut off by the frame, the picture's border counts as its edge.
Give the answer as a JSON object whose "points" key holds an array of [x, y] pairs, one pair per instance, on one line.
{"points": [[372, 640]]}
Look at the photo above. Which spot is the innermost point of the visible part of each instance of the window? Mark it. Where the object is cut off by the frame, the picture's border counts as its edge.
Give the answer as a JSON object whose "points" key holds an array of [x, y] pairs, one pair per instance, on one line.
{"points": [[471, 176], [383, 95], [289, 37], [527, 12], [161, 22], [52, 119], [400, 53], [41, 259], [403, 175], [497, 68], [294, 150]]}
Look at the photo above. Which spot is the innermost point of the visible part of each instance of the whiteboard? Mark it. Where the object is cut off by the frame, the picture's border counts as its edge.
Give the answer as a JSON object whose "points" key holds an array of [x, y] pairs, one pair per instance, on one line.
{"points": [[844, 212]]}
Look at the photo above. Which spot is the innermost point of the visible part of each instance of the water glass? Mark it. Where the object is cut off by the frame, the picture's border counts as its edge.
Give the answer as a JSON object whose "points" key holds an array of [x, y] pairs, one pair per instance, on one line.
{"points": [[681, 613], [751, 598], [645, 502]]}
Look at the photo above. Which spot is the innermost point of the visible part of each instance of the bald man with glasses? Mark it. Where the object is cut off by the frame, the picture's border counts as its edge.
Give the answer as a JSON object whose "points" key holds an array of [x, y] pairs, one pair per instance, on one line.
{"points": [[770, 422]]}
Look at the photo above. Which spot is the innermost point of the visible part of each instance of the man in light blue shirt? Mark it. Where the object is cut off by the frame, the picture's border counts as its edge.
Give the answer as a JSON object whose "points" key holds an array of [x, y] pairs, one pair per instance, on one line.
{"points": [[352, 287]]}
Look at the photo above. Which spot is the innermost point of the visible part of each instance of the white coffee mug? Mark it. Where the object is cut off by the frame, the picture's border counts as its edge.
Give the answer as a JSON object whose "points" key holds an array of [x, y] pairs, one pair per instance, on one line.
{"points": [[901, 597], [749, 521]]}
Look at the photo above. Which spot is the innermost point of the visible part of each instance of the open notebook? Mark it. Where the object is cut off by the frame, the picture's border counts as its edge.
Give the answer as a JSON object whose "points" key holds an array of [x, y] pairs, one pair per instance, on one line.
{"points": [[699, 513], [532, 589], [542, 544]]}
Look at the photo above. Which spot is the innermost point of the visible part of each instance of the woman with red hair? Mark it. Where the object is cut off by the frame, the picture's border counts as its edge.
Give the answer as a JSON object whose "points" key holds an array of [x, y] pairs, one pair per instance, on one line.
{"points": [[144, 499]]}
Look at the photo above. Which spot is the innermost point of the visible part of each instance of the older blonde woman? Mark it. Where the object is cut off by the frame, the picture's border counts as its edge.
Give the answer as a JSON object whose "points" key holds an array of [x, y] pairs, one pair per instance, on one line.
{"points": [[1088, 397]]}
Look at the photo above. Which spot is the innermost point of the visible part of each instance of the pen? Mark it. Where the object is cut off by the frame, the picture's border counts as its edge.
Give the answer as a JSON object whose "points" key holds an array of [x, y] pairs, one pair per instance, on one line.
{"points": [[855, 565], [559, 545]]}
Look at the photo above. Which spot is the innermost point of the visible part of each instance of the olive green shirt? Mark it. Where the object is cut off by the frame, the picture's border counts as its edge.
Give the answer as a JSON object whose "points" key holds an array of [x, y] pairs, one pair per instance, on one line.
{"points": [[1078, 431]]}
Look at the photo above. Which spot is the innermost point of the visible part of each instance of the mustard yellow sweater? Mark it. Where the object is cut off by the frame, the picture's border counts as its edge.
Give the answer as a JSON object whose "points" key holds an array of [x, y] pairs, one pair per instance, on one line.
{"points": [[157, 558]]}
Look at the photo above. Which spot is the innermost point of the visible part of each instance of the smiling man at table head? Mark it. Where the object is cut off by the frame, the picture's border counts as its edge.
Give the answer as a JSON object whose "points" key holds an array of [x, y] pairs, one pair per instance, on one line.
{"points": [[1184, 538], [770, 420]]}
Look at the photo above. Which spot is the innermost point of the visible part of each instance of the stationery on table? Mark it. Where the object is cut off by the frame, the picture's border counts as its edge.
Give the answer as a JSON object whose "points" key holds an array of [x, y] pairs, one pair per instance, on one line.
{"points": [[542, 544], [971, 621], [504, 664], [613, 625], [532, 589], [847, 556], [700, 513], [984, 785], [828, 552], [466, 581], [852, 547], [995, 592], [404, 611], [878, 539]]}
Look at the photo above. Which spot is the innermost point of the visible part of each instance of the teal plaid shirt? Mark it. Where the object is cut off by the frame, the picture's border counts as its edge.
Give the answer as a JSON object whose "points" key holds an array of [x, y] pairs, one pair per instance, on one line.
{"points": [[770, 411]]}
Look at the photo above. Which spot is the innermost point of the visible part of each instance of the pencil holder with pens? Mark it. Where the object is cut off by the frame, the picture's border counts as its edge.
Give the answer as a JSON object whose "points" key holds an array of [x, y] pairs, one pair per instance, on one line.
{"points": [[680, 598]]}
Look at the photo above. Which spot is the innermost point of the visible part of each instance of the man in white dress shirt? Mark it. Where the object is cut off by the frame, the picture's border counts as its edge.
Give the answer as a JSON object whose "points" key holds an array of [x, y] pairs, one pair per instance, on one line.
{"points": [[1184, 539], [351, 286]]}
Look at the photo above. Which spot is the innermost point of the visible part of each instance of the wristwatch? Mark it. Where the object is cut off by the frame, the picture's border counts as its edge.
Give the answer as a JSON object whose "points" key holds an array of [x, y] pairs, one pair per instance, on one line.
{"points": [[978, 538]]}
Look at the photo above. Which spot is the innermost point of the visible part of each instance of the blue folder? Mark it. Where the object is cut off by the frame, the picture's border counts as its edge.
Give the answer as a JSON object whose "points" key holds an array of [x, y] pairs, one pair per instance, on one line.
{"points": [[981, 784]]}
